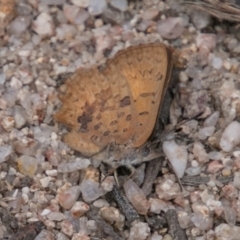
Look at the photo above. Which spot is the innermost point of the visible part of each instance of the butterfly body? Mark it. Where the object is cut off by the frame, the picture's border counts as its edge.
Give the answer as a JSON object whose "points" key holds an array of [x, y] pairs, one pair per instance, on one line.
{"points": [[120, 155], [116, 104]]}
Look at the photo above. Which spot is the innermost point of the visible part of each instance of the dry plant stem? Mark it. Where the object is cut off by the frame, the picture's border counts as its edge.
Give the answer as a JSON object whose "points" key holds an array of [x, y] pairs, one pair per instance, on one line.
{"points": [[153, 168], [122, 202], [156, 222], [218, 9], [197, 180], [103, 225], [174, 229], [28, 232]]}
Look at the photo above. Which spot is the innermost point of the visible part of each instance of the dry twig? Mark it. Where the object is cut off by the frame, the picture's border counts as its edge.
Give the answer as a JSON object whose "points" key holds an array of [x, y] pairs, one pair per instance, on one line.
{"points": [[223, 10], [153, 168], [174, 228], [127, 209]]}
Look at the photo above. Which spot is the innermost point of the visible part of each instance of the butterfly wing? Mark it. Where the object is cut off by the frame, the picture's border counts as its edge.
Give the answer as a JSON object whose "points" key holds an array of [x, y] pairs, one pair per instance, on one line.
{"points": [[125, 108], [88, 109], [146, 69]]}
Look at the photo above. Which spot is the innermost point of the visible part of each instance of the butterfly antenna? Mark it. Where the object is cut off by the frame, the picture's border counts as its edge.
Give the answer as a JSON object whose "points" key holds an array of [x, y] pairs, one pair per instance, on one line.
{"points": [[187, 120]]}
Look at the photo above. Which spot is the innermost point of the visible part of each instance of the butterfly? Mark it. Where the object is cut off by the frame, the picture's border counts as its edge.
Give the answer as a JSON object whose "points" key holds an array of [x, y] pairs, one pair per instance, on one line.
{"points": [[116, 104]]}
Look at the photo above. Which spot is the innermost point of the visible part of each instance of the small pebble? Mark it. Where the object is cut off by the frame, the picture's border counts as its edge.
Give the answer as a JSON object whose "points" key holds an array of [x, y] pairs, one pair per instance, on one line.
{"points": [[170, 28], [97, 7], [27, 165], [5, 152], [113, 217], [79, 209], [136, 196], [177, 155], [78, 164], [200, 153], [44, 25], [230, 137], [139, 231], [122, 5], [67, 196]]}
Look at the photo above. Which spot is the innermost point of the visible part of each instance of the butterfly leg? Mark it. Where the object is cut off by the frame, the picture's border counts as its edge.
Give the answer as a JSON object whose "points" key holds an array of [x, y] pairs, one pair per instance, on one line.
{"points": [[132, 169], [129, 167], [116, 177], [184, 191]]}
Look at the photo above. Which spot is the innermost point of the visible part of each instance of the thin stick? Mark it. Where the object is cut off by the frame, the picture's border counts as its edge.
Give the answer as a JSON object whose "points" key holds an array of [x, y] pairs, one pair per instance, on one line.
{"points": [[123, 203], [153, 168], [174, 228]]}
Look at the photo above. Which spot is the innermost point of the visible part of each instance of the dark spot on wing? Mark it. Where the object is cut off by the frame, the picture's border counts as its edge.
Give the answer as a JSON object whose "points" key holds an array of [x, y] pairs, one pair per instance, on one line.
{"points": [[143, 113], [94, 138], [96, 127], [128, 118], [84, 120], [148, 94], [113, 123], [106, 133], [121, 114], [159, 77], [125, 102]]}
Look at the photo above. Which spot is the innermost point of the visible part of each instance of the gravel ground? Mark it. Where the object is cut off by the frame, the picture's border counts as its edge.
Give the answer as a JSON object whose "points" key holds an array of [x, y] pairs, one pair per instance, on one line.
{"points": [[48, 191]]}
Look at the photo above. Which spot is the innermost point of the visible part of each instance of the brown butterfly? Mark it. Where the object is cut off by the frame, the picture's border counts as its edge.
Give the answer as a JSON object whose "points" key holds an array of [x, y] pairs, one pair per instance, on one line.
{"points": [[116, 104]]}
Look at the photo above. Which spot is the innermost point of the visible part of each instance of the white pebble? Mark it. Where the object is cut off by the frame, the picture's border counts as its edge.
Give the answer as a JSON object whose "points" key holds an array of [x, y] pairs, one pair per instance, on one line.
{"points": [[3, 175], [78, 164], [20, 116], [227, 64], [183, 77], [200, 153], [214, 155], [217, 62], [236, 154], [54, 136], [97, 7], [81, 3], [45, 212], [205, 132], [236, 180], [25, 190], [8, 123], [43, 25], [25, 198], [230, 137], [15, 83], [5, 152], [100, 203], [79, 209], [55, 216], [52, 173], [45, 181], [212, 120], [122, 5], [193, 171], [139, 231], [177, 155], [194, 163], [157, 205]]}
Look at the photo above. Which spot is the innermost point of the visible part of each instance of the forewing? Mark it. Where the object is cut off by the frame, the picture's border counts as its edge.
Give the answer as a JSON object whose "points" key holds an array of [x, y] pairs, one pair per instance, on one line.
{"points": [[125, 109], [146, 69], [88, 109]]}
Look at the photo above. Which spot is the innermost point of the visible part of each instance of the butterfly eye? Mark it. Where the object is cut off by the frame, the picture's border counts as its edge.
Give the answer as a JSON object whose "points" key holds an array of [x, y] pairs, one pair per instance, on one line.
{"points": [[145, 151]]}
